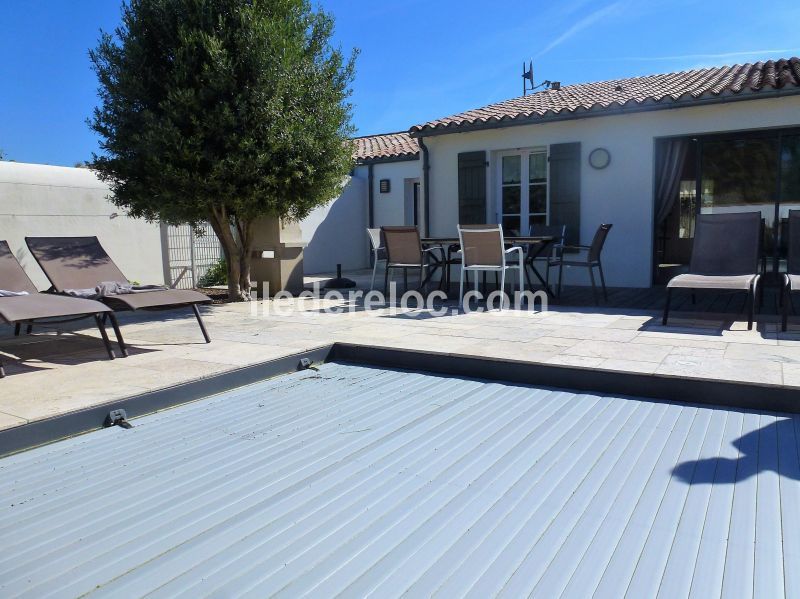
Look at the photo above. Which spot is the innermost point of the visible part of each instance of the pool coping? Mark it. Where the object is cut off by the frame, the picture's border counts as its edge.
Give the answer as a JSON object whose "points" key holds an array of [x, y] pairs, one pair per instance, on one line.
{"points": [[707, 391]]}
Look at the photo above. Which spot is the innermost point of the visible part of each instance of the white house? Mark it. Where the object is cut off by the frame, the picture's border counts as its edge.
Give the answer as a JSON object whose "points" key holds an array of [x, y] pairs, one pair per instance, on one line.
{"points": [[645, 154]]}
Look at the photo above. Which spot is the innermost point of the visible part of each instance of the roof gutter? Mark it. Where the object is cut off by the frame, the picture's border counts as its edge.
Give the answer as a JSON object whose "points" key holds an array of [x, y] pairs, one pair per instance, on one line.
{"points": [[570, 116], [426, 167], [388, 159]]}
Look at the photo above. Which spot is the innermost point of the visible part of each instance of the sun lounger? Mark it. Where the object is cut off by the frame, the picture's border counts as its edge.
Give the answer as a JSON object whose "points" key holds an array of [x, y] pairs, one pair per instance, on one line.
{"points": [[724, 257], [81, 263], [27, 306]]}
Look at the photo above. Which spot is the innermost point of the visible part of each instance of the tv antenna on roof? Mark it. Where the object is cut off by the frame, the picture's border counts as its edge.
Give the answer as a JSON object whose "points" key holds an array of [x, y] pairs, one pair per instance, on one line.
{"points": [[528, 84]]}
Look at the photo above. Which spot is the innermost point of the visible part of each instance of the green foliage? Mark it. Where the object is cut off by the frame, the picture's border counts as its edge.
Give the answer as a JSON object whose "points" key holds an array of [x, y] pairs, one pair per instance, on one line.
{"points": [[216, 275], [222, 110], [239, 102]]}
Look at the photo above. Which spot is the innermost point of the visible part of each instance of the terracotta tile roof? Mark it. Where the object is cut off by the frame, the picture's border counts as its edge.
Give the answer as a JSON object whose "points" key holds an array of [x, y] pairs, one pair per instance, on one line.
{"points": [[670, 88], [385, 146]]}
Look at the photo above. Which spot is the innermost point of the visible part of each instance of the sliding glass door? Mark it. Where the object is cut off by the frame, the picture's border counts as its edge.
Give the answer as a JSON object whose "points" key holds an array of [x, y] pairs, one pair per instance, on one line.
{"points": [[789, 191], [740, 174], [743, 172]]}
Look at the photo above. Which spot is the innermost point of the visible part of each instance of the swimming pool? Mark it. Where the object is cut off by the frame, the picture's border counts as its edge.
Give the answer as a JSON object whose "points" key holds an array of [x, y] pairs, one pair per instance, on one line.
{"points": [[356, 479]]}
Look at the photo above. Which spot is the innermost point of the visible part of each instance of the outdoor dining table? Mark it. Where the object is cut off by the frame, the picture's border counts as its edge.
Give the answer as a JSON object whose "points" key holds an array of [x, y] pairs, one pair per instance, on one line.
{"points": [[536, 246]]}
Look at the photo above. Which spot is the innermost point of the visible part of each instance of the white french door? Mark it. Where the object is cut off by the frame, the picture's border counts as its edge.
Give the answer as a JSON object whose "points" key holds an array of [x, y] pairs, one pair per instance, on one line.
{"points": [[522, 199]]}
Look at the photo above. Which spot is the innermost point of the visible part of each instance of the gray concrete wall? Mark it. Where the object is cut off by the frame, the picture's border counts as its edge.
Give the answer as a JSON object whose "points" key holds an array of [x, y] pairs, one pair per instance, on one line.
{"points": [[41, 200]]}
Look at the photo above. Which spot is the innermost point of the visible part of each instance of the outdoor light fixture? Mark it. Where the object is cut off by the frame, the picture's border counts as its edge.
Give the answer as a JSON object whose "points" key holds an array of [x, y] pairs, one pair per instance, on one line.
{"points": [[599, 158], [385, 185]]}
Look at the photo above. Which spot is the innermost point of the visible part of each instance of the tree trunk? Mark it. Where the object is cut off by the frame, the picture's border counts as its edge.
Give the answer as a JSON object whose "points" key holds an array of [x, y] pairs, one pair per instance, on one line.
{"points": [[237, 253], [244, 228]]}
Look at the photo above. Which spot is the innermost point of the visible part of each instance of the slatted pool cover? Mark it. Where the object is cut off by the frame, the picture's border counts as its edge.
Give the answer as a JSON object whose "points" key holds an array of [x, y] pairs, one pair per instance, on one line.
{"points": [[360, 480]]}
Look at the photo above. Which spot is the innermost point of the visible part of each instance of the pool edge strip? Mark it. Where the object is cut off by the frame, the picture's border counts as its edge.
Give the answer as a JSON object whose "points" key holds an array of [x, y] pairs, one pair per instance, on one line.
{"points": [[729, 394], [713, 392], [56, 428]]}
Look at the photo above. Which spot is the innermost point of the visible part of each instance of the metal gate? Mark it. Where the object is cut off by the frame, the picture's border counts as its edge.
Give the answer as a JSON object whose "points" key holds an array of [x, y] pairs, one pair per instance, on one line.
{"points": [[187, 255]]}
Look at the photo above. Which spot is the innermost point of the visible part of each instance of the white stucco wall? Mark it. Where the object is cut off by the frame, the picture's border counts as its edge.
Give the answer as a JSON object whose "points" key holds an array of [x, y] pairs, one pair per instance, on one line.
{"points": [[389, 208], [621, 194], [337, 232], [41, 200]]}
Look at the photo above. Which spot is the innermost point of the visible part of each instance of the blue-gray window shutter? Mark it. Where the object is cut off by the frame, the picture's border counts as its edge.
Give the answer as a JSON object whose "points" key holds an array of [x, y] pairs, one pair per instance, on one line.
{"points": [[472, 188], [565, 189]]}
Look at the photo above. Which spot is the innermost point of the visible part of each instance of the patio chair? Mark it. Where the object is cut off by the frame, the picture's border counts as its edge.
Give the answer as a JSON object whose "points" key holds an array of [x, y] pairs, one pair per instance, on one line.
{"points": [[82, 263], [404, 250], [378, 252], [28, 307], [791, 280], [570, 255], [725, 257], [483, 250]]}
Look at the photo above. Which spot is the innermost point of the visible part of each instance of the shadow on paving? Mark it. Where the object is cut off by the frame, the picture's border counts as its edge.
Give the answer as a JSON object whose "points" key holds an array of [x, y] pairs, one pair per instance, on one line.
{"points": [[37, 352]]}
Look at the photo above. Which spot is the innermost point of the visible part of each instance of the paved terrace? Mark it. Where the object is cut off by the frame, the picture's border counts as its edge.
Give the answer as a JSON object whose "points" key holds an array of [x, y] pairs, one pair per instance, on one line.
{"points": [[51, 374]]}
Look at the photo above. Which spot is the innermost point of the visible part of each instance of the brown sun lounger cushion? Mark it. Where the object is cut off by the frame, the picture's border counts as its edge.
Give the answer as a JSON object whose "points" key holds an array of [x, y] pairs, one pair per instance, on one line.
{"points": [[156, 299], [12, 276], [35, 305], [43, 305], [82, 263]]}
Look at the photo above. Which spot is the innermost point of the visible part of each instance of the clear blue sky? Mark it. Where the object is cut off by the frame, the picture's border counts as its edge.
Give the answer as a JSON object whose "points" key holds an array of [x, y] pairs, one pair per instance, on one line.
{"points": [[420, 59]]}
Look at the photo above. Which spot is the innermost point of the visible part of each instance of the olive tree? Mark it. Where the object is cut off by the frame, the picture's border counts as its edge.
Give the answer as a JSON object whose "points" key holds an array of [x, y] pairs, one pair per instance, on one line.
{"points": [[223, 111]]}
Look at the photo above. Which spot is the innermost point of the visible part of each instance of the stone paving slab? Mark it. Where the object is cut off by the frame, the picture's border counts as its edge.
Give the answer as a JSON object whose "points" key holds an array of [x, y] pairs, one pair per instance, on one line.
{"points": [[51, 374]]}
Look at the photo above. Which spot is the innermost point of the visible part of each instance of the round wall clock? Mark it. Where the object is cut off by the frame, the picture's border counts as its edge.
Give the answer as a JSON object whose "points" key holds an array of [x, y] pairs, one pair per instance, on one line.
{"points": [[599, 158]]}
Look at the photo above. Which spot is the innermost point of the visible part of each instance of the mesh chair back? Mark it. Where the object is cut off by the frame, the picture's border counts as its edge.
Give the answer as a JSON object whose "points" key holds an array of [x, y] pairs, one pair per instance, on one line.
{"points": [[402, 245], [599, 240], [793, 243], [783, 238], [374, 238], [74, 262], [12, 276], [482, 245], [726, 244]]}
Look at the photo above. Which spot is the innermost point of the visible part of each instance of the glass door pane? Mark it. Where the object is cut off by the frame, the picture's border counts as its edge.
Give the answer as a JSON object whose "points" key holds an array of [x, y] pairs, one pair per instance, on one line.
{"points": [[740, 175], [537, 189], [537, 169], [511, 189], [790, 191]]}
